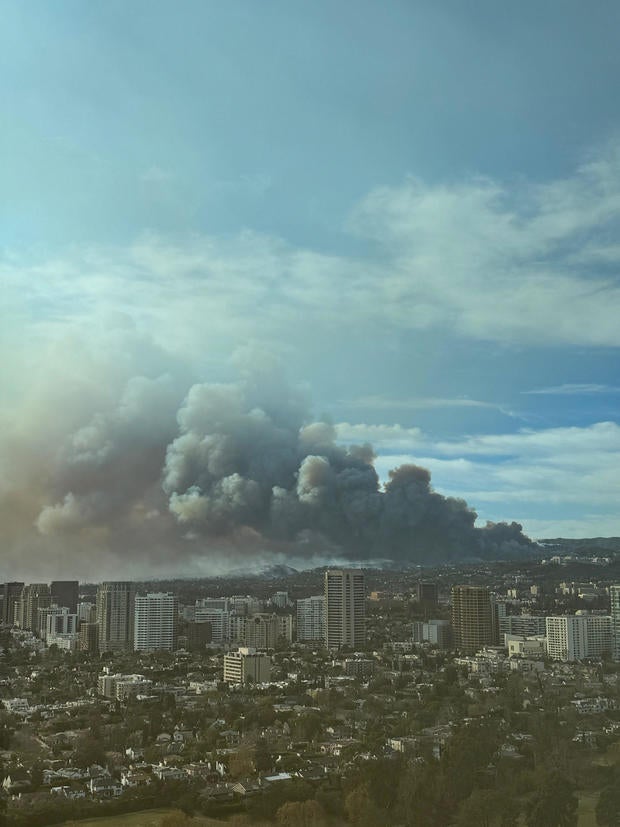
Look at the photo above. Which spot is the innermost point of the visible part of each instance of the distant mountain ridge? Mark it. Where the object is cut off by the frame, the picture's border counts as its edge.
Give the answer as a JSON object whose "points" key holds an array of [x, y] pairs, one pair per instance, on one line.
{"points": [[584, 544]]}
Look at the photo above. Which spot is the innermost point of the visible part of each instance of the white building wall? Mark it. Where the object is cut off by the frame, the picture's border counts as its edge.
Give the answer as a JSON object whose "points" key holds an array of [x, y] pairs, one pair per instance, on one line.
{"points": [[155, 623], [310, 618]]}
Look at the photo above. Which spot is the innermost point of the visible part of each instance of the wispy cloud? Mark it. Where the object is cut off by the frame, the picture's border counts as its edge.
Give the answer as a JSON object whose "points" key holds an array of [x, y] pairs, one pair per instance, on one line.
{"points": [[477, 259], [574, 389], [381, 403]]}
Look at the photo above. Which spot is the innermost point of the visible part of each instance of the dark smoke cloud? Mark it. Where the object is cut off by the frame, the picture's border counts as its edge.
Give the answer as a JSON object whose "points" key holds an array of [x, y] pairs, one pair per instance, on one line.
{"points": [[247, 458], [233, 469]]}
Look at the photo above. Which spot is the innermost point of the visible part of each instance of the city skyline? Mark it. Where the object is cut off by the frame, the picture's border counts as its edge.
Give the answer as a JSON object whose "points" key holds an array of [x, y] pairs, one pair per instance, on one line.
{"points": [[402, 224]]}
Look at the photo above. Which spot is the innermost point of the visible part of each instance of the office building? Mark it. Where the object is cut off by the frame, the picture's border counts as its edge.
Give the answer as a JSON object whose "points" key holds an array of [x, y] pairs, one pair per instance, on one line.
{"points": [[87, 612], [435, 632], [197, 636], [345, 608], [155, 622], [472, 618], [281, 600], [261, 631], [614, 593], [34, 596], [220, 604], [65, 593], [89, 637], [523, 626], [115, 616], [245, 604], [218, 619], [246, 666], [57, 621], [310, 618], [11, 593]]}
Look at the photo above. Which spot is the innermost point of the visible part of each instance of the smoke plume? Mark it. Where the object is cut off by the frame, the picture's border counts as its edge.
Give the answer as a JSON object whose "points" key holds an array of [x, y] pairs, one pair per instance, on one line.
{"points": [[246, 460], [188, 482]]}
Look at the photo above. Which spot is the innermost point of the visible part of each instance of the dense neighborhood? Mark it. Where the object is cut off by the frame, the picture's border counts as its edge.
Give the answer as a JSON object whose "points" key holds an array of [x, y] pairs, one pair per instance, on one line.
{"points": [[412, 726]]}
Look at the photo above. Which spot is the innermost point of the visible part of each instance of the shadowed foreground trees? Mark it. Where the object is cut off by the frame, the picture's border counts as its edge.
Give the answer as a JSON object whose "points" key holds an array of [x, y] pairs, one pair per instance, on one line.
{"points": [[554, 803], [608, 807]]}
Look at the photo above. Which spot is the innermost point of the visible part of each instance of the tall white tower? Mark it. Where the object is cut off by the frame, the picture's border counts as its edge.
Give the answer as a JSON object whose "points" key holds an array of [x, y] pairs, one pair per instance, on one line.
{"points": [[155, 624]]}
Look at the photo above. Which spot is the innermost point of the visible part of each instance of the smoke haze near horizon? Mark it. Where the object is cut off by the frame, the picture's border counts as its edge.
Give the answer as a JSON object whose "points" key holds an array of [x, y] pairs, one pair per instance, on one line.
{"points": [[158, 480]]}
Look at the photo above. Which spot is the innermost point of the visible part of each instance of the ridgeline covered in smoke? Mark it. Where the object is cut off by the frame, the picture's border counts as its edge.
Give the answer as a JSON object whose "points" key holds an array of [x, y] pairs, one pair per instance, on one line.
{"points": [[241, 468]]}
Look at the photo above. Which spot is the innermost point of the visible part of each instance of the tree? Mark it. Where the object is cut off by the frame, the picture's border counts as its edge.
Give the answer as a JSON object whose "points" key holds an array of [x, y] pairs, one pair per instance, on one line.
{"points": [[241, 763], [36, 775], [608, 807], [361, 810], [89, 751], [554, 804], [479, 809], [301, 814]]}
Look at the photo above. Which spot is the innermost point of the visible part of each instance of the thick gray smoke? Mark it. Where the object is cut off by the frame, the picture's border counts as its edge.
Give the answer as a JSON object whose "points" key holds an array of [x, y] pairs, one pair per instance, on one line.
{"points": [[234, 469], [246, 458]]}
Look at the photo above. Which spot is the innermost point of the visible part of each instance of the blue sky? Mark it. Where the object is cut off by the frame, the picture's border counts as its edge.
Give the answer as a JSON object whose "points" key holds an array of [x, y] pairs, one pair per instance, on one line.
{"points": [[414, 206]]}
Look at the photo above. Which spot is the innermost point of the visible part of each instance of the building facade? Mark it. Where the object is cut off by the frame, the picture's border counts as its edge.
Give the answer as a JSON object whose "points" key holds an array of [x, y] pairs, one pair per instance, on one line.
{"points": [[614, 593], [261, 631], [115, 616], [472, 618], [310, 618], [34, 596], [11, 594], [65, 593], [219, 621], [155, 622], [57, 621], [246, 666], [345, 608], [578, 637]]}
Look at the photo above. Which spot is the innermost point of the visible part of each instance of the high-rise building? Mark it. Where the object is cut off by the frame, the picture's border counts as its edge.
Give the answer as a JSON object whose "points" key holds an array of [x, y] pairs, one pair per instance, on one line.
{"points": [[156, 622], [34, 596], [197, 636], [115, 616], [87, 612], [57, 621], [310, 621], [281, 600], [65, 593], [345, 608], [614, 592], [89, 637], [523, 626], [434, 631], [11, 593], [472, 618], [219, 620], [580, 636], [261, 630]]}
